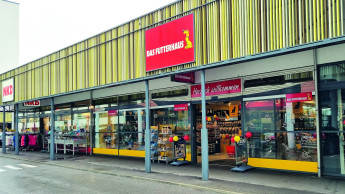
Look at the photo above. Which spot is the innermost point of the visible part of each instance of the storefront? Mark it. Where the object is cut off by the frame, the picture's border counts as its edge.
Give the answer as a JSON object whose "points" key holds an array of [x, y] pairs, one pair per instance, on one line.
{"points": [[144, 89]]}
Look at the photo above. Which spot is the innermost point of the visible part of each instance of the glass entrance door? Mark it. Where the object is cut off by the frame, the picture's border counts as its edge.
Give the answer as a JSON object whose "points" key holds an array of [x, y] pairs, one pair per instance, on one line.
{"points": [[332, 131]]}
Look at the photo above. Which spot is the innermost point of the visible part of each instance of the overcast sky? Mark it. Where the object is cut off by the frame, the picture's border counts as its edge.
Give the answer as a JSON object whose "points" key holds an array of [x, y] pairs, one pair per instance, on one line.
{"points": [[46, 26]]}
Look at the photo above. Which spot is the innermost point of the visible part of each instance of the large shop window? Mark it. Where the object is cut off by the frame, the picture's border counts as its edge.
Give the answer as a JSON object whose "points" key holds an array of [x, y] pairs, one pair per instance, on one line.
{"points": [[120, 123], [171, 122], [29, 130], [332, 118], [332, 131], [281, 130], [72, 123]]}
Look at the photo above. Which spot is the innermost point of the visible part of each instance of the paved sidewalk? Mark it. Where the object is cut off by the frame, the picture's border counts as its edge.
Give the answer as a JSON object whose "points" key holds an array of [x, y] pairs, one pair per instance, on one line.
{"points": [[130, 166]]}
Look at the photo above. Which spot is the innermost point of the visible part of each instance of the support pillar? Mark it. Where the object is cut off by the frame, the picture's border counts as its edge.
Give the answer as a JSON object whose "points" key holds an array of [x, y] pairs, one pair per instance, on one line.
{"points": [[204, 131], [4, 132], [16, 140], [317, 112], [52, 131], [147, 130]]}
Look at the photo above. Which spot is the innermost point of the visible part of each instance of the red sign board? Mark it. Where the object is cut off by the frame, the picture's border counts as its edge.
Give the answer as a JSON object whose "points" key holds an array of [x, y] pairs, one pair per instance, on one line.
{"points": [[112, 112], [261, 103], [180, 107], [32, 103], [170, 44], [7, 90], [299, 97], [185, 78], [217, 88]]}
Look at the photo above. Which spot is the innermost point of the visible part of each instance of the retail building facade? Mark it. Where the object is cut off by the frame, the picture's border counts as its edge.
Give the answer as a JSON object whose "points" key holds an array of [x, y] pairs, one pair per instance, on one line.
{"points": [[272, 68]]}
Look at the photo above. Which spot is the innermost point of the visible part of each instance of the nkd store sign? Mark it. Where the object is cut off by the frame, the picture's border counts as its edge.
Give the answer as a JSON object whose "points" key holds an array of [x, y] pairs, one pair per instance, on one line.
{"points": [[34, 103], [170, 44], [7, 90]]}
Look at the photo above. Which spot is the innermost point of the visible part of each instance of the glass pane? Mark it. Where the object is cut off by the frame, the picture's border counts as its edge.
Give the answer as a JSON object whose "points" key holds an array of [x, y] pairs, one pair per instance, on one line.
{"points": [[63, 124], [81, 123], [332, 126], [262, 145], [297, 146], [132, 120], [332, 108], [259, 116], [296, 116], [333, 146], [132, 141], [107, 140], [332, 73]]}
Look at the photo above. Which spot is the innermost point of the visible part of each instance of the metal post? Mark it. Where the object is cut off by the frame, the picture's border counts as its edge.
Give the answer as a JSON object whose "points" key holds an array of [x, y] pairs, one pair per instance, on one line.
{"points": [[4, 132], [147, 131], [204, 131], [316, 77], [52, 131], [92, 126], [16, 140]]}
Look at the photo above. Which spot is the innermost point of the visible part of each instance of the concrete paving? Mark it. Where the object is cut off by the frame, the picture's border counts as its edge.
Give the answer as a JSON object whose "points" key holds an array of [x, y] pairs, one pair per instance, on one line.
{"points": [[221, 178]]}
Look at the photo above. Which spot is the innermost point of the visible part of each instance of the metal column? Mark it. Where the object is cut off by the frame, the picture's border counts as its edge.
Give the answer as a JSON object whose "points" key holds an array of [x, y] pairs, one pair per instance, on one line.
{"points": [[147, 131], [318, 140], [16, 141], [52, 130], [4, 132], [204, 131]]}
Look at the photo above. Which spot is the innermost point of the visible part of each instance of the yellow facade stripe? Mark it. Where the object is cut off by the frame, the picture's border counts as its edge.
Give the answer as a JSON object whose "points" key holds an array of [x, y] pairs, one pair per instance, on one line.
{"points": [[105, 151], [132, 153], [318, 19], [284, 164], [333, 18], [322, 21], [338, 18]]}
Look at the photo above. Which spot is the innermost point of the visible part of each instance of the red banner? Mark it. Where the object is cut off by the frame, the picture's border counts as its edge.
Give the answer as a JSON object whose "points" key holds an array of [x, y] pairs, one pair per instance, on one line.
{"points": [[217, 88], [299, 97], [170, 44], [112, 112], [180, 107], [185, 78]]}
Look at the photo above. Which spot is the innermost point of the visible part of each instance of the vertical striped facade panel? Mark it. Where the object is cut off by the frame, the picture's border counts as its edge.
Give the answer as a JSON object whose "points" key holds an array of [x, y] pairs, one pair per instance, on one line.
{"points": [[224, 29]]}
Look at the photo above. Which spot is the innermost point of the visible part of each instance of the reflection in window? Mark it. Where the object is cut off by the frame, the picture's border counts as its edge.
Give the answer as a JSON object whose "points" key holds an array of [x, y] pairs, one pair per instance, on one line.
{"points": [[282, 130], [132, 141], [259, 116]]}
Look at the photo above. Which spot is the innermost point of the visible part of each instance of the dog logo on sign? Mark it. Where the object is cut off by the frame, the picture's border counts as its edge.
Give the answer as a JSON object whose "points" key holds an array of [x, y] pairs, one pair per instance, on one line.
{"points": [[188, 42]]}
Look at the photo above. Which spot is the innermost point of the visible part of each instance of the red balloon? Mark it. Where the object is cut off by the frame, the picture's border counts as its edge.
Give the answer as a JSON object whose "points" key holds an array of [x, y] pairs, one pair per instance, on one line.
{"points": [[186, 137], [227, 136], [233, 139], [314, 135], [171, 139], [249, 134], [217, 118]]}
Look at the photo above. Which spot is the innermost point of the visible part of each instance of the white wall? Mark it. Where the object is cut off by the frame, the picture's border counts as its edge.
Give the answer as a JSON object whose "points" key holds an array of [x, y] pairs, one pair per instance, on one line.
{"points": [[9, 35]]}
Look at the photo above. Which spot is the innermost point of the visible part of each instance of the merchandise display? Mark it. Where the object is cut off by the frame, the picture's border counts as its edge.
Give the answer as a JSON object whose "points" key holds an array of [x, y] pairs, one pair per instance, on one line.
{"points": [[223, 123], [154, 144], [173, 134], [165, 147]]}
